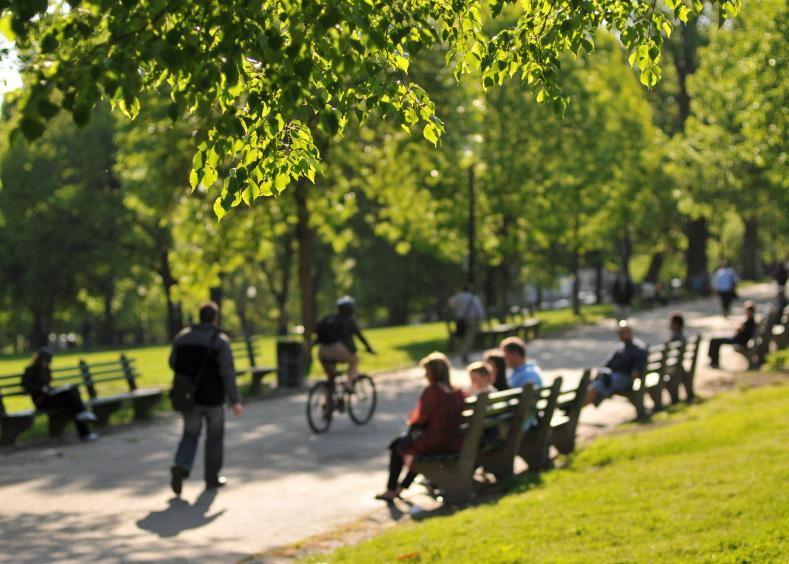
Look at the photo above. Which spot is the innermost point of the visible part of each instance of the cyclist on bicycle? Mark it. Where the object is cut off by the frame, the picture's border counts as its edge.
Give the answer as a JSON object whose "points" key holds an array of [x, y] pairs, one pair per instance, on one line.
{"points": [[335, 334]]}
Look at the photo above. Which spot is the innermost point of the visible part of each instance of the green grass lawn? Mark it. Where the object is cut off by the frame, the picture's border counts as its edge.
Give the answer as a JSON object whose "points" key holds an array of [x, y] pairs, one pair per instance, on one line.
{"points": [[397, 347], [709, 483]]}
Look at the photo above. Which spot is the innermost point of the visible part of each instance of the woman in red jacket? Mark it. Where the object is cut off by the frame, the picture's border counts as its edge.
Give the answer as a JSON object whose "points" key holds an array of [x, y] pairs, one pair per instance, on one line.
{"points": [[434, 425]]}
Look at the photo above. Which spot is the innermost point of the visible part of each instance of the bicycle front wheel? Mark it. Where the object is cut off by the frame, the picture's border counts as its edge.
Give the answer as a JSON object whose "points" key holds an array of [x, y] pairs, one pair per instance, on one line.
{"points": [[319, 407], [362, 400]]}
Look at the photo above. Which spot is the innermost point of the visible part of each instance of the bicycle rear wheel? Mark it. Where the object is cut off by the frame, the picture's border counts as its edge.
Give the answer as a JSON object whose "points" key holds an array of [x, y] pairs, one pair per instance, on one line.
{"points": [[319, 407], [362, 400]]}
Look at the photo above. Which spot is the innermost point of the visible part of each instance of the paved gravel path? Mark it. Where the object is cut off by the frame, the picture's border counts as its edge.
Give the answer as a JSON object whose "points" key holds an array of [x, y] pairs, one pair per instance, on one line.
{"points": [[109, 501]]}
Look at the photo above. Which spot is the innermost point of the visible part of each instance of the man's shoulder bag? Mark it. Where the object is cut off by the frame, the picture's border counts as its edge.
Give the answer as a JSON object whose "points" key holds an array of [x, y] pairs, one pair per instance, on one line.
{"points": [[182, 394]]}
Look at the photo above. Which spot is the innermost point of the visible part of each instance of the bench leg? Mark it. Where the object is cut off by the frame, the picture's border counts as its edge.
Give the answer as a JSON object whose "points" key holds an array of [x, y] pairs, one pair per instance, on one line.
{"points": [[255, 386], [57, 423], [687, 383], [143, 405], [564, 438], [12, 427], [673, 387], [536, 452], [457, 492], [656, 394], [500, 464], [103, 411], [637, 400]]}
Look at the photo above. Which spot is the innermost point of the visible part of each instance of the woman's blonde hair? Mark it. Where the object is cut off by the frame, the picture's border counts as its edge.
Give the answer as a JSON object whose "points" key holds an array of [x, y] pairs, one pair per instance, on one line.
{"points": [[437, 364]]}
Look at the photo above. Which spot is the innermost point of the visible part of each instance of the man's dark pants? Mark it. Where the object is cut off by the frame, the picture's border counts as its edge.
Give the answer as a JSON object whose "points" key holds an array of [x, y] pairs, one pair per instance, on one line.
{"points": [[726, 299], [214, 439], [715, 347]]}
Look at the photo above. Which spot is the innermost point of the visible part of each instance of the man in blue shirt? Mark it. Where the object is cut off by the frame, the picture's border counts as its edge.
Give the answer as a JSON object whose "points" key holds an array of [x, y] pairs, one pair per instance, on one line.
{"points": [[522, 371]]}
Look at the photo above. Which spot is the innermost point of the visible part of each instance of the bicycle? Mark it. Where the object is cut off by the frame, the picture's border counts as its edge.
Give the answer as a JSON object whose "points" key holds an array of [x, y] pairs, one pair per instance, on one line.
{"points": [[327, 397]]}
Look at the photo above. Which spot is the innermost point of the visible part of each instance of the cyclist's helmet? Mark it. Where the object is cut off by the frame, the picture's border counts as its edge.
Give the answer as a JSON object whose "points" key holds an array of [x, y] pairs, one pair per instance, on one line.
{"points": [[346, 304]]}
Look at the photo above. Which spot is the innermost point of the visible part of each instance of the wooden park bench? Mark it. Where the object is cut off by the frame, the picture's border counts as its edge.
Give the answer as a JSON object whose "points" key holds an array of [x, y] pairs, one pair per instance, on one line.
{"points": [[683, 373], [536, 443], [15, 422], [565, 424], [781, 330], [506, 412], [105, 376], [757, 348], [246, 353]]}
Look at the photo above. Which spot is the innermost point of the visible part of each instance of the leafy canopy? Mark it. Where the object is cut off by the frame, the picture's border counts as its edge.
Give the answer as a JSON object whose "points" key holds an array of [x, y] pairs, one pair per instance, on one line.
{"points": [[266, 76]]}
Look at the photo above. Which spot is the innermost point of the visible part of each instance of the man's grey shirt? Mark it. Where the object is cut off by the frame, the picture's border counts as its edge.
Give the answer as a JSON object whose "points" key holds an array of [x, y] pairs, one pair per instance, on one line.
{"points": [[201, 335], [466, 305]]}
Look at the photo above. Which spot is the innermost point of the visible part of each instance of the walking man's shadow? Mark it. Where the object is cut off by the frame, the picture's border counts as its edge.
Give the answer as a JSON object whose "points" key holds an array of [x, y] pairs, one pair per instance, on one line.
{"points": [[181, 516]]}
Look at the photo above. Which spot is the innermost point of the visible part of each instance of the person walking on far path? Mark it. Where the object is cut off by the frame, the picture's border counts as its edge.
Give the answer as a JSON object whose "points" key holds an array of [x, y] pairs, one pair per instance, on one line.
{"points": [[622, 291], [203, 353], [468, 312], [724, 284]]}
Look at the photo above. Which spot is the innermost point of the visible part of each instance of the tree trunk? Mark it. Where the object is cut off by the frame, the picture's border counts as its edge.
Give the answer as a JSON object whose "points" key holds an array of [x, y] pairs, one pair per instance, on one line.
{"points": [[626, 250], [107, 335], [42, 321], [174, 319], [697, 234], [655, 266], [576, 283], [216, 294], [750, 249], [598, 281], [306, 246]]}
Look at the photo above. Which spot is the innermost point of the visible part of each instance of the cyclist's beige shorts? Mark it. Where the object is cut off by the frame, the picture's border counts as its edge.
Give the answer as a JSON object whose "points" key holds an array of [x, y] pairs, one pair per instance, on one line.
{"points": [[336, 352]]}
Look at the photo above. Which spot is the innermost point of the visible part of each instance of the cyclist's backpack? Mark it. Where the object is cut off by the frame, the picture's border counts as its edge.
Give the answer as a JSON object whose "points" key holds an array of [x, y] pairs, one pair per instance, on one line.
{"points": [[329, 329]]}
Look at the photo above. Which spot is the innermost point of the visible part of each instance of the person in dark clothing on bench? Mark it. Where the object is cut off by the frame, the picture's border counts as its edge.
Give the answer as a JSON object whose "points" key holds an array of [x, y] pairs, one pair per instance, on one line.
{"points": [[37, 381], [741, 337], [617, 375]]}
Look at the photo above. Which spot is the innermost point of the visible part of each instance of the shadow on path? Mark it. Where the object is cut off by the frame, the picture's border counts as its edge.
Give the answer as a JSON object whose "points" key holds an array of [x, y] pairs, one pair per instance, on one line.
{"points": [[181, 516]]}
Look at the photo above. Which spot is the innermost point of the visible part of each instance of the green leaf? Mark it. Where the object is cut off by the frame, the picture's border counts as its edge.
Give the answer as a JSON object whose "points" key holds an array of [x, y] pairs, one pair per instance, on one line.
{"points": [[31, 128], [430, 133], [219, 209], [6, 27]]}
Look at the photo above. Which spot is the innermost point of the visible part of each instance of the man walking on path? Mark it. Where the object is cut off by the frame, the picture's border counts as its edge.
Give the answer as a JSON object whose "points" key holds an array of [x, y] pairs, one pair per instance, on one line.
{"points": [[468, 313], [203, 353], [724, 283]]}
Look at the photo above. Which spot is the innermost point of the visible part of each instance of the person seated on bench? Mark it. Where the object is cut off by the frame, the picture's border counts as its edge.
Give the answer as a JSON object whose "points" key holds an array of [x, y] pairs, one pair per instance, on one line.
{"points": [[676, 326], [498, 369], [481, 379], [617, 375], [37, 379], [744, 333], [523, 371], [433, 427]]}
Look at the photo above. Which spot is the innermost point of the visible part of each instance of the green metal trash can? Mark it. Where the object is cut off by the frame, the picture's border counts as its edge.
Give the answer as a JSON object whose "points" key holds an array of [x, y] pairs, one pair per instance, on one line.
{"points": [[290, 362]]}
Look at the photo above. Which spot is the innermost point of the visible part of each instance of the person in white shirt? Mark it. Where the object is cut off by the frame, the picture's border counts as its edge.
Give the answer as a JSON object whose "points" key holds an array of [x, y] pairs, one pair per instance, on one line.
{"points": [[468, 313], [724, 283]]}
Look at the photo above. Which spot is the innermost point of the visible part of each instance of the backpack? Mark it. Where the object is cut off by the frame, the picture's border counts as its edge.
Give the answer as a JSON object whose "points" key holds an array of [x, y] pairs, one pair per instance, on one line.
{"points": [[328, 329]]}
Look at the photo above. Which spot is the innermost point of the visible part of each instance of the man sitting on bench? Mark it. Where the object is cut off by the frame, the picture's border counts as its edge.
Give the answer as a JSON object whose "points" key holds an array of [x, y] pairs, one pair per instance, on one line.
{"points": [[617, 375], [741, 337], [523, 371]]}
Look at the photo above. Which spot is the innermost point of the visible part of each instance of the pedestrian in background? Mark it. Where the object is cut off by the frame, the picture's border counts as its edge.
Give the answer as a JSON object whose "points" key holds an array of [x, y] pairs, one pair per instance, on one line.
{"points": [[468, 312], [724, 284]]}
